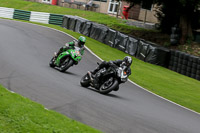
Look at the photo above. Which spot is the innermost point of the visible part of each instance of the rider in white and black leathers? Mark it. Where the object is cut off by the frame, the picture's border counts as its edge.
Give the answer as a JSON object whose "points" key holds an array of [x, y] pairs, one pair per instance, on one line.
{"points": [[127, 61]]}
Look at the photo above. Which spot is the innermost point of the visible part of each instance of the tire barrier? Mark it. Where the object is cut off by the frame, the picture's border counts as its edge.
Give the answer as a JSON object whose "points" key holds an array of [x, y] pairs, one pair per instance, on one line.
{"points": [[158, 55], [79, 24], [98, 32], [132, 46], [72, 23], [110, 37], [121, 41], [56, 19], [6, 12], [65, 23], [32, 16], [40, 17], [142, 50], [185, 64], [22, 15], [177, 61], [85, 30]]}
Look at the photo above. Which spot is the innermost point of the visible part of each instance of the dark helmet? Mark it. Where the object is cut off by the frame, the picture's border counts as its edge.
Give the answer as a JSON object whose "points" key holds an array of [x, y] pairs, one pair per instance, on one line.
{"points": [[127, 60], [81, 41]]}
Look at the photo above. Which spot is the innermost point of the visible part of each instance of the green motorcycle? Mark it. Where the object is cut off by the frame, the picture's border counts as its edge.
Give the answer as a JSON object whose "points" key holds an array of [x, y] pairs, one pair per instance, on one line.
{"points": [[66, 59]]}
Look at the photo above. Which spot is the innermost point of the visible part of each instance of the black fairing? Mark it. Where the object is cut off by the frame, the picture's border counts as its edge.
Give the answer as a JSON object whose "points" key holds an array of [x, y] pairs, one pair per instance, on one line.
{"points": [[104, 74]]}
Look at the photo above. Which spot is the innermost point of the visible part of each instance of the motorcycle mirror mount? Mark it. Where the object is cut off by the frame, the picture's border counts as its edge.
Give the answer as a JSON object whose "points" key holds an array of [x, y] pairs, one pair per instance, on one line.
{"points": [[98, 63]]}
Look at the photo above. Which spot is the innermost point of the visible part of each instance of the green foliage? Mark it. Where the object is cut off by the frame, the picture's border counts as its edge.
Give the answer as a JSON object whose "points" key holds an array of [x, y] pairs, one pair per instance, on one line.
{"points": [[21, 115]]}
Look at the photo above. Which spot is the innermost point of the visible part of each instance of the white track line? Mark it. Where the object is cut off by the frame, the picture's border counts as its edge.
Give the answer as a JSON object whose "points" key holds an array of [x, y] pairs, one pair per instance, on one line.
{"points": [[128, 79]]}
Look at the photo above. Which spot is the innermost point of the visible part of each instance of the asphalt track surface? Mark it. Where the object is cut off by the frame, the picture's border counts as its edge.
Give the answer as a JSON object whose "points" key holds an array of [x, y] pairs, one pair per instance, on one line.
{"points": [[25, 51]]}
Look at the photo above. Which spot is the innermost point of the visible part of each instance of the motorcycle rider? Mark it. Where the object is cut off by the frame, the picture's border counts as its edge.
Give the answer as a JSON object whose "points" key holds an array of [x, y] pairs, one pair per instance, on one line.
{"points": [[127, 61], [71, 45]]}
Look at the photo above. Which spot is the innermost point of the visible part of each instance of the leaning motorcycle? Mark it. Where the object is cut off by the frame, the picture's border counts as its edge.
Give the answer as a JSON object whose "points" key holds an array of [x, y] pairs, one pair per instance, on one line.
{"points": [[66, 59], [109, 79]]}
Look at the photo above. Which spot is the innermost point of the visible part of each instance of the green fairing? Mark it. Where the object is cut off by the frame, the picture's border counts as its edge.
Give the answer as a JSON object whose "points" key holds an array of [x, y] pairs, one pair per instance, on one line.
{"points": [[73, 53], [72, 42]]}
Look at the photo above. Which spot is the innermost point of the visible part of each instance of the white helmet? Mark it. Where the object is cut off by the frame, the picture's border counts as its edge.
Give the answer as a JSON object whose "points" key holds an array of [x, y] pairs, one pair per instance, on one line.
{"points": [[127, 60]]}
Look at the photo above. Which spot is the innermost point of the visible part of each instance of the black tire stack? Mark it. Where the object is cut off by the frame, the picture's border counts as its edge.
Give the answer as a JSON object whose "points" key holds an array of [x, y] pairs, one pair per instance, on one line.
{"points": [[185, 64], [177, 61]]}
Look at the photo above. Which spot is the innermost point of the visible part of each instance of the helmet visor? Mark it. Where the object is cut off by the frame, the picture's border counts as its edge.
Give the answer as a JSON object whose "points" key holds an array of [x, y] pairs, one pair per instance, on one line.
{"points": [[80, 43]]}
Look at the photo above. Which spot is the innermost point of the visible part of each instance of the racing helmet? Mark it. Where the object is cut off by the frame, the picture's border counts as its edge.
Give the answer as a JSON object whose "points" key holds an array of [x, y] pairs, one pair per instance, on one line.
{"points": [[81, 41], [127, 60]]}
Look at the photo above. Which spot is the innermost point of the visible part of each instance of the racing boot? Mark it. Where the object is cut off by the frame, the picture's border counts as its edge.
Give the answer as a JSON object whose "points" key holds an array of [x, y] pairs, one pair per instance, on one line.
{"points": [[90, 76], [94, 80]]}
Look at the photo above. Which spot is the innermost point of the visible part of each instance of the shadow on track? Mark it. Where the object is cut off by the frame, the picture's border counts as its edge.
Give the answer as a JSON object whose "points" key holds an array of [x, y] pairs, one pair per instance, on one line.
{"points": [[66, 72], [108, 95], [70, 73]]}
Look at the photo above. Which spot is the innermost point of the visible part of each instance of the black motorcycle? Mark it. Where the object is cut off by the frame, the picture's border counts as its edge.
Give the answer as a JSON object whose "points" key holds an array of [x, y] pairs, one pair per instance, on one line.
{"points": [[109, 79]]}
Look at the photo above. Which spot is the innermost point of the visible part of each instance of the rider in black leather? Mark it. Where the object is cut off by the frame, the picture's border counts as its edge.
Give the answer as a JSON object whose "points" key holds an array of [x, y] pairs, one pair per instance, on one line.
{"points": [[127, 61]]}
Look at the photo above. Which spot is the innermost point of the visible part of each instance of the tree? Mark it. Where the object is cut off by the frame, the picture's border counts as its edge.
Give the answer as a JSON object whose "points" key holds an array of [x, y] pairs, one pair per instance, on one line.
{"points": [[181, 12]]}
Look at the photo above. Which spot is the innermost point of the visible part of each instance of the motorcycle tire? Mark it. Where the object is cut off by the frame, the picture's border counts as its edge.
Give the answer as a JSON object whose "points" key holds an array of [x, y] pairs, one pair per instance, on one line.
{"points": [[51, 63], [111, 87], [85, 81], [66, 64]]}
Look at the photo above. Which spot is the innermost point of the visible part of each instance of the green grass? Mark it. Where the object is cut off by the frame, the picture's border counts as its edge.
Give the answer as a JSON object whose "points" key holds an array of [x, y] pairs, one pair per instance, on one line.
{"points": [[101, 18], [21, 115]]}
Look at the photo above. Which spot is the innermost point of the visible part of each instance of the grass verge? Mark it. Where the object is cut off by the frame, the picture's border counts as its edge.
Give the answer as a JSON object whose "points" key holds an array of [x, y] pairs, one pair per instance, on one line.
{"points": [[21, 115]]}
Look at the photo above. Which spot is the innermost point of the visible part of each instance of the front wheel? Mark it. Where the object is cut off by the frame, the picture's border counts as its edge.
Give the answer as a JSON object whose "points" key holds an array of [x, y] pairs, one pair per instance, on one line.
{"points": [[85, 81], [66, 64], [51, 63], [108, 86]]}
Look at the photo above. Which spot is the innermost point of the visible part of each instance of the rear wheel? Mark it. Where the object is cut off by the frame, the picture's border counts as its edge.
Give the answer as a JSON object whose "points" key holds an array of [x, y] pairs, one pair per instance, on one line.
{"points": [[108, 86], [85, 81], [66, 64]]}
